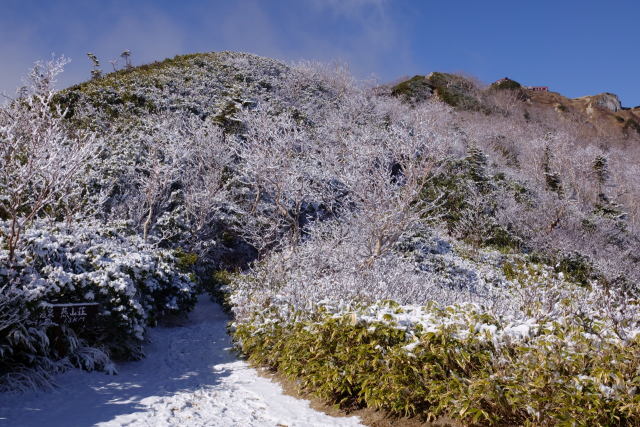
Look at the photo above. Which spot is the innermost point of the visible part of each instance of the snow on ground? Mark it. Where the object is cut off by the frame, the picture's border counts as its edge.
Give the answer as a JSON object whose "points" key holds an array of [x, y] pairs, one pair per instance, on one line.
{"points": [[189, 378]]}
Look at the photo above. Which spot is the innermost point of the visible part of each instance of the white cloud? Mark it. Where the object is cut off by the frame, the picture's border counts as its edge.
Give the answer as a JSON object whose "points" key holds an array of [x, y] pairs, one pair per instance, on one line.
{"points": [[362, 33], [349, 7]]}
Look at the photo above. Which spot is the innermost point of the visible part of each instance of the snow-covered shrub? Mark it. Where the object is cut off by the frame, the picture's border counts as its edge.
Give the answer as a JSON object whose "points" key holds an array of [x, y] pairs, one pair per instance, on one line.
{"points": [[335, 264], [306, 307], [457, 361], [535, 348], [133, 283]]}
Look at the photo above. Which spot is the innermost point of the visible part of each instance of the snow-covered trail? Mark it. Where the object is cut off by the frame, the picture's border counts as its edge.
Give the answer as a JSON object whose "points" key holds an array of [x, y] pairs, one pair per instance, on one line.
{"points": [[188, 378]]}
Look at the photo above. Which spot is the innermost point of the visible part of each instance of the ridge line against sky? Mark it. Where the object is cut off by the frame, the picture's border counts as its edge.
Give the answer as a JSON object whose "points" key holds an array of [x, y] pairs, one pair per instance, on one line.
{"points": [[576, 48]]}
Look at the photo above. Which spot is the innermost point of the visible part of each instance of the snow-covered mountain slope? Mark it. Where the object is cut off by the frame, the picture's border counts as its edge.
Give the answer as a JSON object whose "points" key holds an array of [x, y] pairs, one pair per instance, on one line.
{"points": [[213, 85], [189, 378], [304, 199]]}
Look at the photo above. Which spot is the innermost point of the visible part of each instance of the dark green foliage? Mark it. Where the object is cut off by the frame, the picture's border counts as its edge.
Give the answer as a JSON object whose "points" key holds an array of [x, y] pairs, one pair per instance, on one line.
{"points": [[612, 211], [457, 99], [217, 284], [476, 162], [265, 85], [68, 101], [226, 118], [414, 90], [632, 124], [552, 178], [228, 238], [149, 69], [601, 169], [509, 270], [456, 91], [506, 84], [576, 268], [464, 189], [109, 98], [502, 239], [438, 79], [449, 186], [185, 260], [452, 182], [130, 93], [137, 101], [604, 206]]}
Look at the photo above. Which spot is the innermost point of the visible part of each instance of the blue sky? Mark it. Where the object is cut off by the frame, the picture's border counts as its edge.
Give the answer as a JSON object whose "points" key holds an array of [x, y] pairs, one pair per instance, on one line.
{"points": [[575, 47]]}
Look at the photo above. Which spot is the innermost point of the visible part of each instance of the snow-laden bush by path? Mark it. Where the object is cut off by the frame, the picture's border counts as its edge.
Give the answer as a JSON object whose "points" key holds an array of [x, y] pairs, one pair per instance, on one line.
{"points": [[133, 283], [333, 265], [189, 378], [458, 361], [533, 348]]}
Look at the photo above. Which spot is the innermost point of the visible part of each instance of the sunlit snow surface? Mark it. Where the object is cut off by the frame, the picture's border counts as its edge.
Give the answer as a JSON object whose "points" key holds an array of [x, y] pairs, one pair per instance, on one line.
{"points": [[189, 378]]}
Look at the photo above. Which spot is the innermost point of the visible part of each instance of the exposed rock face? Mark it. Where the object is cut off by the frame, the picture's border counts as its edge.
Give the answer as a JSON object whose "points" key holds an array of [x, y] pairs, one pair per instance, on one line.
{"points": [[605, 100], [601, 114]]}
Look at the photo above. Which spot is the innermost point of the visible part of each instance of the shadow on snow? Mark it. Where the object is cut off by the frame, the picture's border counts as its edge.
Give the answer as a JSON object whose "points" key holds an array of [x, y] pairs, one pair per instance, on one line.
{"points": [[179, 359]]}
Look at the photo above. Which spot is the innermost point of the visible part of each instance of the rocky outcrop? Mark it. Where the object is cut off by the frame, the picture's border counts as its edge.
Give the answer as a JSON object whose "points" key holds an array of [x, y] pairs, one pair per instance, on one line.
{"points": [[606, 100]]}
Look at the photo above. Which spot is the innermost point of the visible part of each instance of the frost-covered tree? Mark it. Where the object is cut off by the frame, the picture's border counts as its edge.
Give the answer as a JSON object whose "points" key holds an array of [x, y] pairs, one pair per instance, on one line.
{"points": [[114, 63], [96, 72], [383, 155], [181, 166], [284, 177], [41, 157], [126, 56], [365, 155]]}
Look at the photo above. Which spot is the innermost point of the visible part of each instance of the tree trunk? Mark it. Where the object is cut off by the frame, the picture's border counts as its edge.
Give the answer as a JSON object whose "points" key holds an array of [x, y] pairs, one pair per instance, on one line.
{"points": [[145, 226]]}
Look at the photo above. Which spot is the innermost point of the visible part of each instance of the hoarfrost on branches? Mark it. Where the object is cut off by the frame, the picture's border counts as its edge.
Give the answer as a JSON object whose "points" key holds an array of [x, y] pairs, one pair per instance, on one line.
{"points": [[41, 157]]}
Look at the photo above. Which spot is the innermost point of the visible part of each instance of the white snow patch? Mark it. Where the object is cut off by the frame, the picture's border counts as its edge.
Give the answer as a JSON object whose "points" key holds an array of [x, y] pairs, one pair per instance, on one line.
{"points": [[189, 378]]}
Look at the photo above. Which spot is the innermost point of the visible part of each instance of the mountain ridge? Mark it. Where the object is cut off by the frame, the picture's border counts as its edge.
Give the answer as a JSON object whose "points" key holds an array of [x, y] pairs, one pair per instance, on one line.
{"points": [[600, 115]]}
